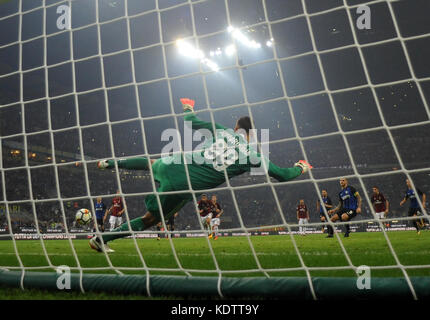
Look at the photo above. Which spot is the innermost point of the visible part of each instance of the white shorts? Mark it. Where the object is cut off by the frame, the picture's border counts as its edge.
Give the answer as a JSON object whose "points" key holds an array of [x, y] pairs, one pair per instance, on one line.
{"points": [[303, 221], [380, 215], [115, 221], [215, 222], [208, 216]]}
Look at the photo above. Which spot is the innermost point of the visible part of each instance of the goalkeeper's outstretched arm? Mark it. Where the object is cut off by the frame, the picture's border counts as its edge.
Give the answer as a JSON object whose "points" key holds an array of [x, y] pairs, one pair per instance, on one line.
{"points": [[286, 174]]}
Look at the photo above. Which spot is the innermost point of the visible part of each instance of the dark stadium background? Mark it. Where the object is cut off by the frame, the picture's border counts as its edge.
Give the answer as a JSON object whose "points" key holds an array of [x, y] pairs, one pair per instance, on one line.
{"points": [[356, 109]]}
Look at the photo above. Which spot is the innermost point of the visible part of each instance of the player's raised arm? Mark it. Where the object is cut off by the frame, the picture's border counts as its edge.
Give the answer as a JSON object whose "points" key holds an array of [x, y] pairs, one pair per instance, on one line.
{"points": [[188, 106]]}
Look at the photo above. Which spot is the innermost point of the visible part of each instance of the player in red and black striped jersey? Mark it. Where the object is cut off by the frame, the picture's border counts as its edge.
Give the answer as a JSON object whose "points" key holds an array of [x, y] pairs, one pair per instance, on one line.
{"points": [[217, 212], [380, 203], [205, 210], [116, 211], [302, 216]]}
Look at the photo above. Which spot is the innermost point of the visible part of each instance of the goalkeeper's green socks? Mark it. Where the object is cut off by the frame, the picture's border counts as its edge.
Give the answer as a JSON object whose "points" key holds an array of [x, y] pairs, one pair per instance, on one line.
{"points": [[139, 163], [136, 225]]}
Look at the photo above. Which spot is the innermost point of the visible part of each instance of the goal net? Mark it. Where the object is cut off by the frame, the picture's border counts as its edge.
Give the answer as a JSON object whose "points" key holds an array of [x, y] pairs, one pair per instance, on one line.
{"points": [[343, 84]]}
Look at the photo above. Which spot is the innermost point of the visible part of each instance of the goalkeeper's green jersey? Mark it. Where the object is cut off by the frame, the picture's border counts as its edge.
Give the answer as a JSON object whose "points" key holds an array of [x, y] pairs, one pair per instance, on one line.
{"points": [[223, 150]]}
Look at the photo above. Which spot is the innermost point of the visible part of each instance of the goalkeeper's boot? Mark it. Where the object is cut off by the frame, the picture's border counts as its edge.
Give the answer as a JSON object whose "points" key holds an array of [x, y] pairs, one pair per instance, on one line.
{"points": [[210, 236], [104, 164], [304, 165], [346, 235], [97, 245], [216, 238]]}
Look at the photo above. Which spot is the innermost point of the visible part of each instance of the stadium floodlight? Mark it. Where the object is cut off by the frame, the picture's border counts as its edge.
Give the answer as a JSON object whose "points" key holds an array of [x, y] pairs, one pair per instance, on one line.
{"points": [[238, 35], [212, 65], [188, 50]]}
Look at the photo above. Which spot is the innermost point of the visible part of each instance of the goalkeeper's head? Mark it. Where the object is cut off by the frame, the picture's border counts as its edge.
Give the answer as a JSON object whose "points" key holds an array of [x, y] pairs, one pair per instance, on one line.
{"points": [[244, 124]]}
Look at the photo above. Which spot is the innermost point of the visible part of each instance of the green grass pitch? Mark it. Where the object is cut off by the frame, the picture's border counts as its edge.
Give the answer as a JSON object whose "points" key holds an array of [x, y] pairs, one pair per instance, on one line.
{"points": [[234, 253]]}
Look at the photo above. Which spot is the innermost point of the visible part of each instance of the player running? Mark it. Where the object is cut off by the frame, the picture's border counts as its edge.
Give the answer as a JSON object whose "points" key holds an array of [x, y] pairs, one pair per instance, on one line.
{"points": [[380, 203], [414, 207], [217, 212], [302, 216], [236, 157], [348, 207], [327, 204]]}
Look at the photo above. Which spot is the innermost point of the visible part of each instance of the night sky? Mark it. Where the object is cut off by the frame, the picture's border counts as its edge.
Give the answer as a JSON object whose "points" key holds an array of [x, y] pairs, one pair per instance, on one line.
{"points": [[358, 104]]}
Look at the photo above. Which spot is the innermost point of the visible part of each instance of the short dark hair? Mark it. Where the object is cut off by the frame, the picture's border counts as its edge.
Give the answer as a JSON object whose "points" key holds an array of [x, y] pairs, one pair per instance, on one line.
{"points": [[245, 124]]}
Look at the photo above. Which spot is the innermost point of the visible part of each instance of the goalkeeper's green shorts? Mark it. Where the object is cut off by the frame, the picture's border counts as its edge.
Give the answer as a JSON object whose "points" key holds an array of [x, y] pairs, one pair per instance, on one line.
{"points": [[172, 177]]}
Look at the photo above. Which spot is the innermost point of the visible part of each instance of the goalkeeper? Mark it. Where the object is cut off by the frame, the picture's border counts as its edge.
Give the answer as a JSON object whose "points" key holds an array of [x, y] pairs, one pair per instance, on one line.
{"points": [[205, 168]]}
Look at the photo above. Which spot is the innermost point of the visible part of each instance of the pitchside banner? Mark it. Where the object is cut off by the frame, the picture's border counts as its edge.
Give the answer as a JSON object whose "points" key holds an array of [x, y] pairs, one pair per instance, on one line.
{"points": [[31, 234]]}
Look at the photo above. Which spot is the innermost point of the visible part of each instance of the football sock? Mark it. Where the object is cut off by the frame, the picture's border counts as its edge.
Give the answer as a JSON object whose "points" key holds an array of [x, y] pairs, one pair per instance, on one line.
{"points": [[329, 229], [138, 163], [136, 225], [347, 228]]}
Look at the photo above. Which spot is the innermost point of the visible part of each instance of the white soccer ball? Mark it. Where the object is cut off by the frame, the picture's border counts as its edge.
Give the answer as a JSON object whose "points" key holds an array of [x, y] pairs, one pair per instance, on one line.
{"points": [[83, 216]]}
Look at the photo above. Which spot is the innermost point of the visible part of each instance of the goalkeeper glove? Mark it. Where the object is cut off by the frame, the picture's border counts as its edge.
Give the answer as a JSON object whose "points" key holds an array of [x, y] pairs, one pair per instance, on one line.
{"points": [[187, 104]]}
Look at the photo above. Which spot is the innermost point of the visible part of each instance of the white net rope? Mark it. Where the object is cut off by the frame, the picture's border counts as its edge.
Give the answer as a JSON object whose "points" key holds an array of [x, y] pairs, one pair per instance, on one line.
{"points": [[195, 37]]}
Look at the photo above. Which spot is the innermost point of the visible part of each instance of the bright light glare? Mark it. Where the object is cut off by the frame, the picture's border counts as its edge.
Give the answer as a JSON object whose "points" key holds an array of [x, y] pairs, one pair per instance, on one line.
{"points": [[230, 50], [237, 34], [269, 43], [188, 50], [210, 64]]}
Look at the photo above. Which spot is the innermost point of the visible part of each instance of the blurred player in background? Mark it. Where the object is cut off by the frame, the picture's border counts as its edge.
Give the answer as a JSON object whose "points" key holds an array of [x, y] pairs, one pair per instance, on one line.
{"points": [[327, 204], [205, 210], [380, 203], [349, 206], [217, 212], [414, 207], [116, 211], [170, 223], [159, 228], [302, 216], [206, 168], [101, 215]]}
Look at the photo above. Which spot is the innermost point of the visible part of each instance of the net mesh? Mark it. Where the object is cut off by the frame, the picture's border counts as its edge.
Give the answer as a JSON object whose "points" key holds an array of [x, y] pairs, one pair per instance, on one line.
{"points": [[319, 83]]}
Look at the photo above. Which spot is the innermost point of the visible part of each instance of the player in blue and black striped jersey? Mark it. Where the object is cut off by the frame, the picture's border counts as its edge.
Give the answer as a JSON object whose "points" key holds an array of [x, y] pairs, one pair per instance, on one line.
{"points": [[414, 207], [327, 204], [349, 206], [101, 215]]}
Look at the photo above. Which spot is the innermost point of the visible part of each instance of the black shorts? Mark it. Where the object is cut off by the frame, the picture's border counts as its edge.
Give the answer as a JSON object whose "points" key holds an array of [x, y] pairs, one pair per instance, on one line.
{"points": [[414, 212], [323, 215], [350, 212], [100, 223], [171, 222]]}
